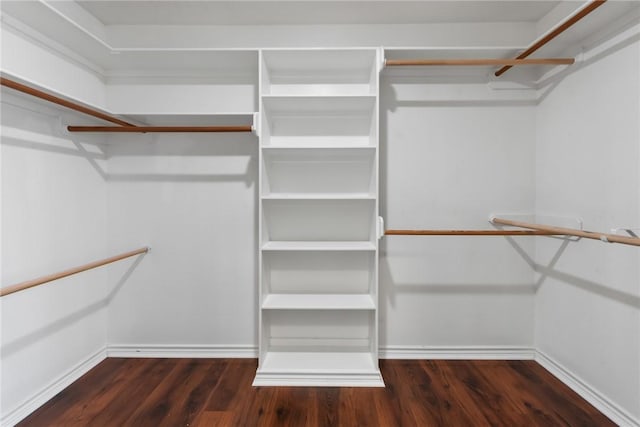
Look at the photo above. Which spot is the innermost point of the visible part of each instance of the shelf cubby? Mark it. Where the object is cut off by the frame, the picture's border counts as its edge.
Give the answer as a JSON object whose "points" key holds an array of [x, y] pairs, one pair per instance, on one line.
{"points": [[319, 72], [320, 330], [318, 220], [319, 121], [322, 173], [318, 272]]}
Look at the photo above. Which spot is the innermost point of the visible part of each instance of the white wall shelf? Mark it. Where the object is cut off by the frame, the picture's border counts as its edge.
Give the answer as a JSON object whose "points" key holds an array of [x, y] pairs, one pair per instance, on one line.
{"points": [[323, 106], [319, 246], [284, 147], [318, 212], [319, 196], [337, 362], [326, 272], [335, 369], [318, 302], [334, 172], [185, 119]]}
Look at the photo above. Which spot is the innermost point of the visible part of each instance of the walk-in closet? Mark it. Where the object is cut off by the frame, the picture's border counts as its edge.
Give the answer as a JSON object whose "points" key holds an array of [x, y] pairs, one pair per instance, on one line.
{"points": [[392, 213]]}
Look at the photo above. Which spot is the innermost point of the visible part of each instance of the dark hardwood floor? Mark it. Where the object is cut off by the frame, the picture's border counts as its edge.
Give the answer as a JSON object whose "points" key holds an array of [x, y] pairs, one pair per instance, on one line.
{"points": [[218, 392]]}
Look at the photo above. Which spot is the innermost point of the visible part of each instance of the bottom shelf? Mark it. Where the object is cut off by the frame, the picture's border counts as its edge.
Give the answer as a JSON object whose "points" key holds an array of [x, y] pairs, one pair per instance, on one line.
{"points": [[318, 369]]}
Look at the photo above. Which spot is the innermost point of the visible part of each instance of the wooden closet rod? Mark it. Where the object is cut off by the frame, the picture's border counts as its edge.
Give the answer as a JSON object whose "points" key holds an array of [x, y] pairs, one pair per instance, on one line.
{"points": [[467, 233], [609, 238], [44, 279], [145, 129], [590, 7], [477, 62], [63, 102]]}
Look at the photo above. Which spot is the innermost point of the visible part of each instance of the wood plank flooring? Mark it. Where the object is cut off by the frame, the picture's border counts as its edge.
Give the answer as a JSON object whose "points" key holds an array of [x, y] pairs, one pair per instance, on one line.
{"points": [[218, 392]]}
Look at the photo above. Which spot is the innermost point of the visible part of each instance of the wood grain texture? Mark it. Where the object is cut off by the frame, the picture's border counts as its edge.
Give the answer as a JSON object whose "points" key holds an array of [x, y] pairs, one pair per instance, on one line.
{"points": [[218, 392]]}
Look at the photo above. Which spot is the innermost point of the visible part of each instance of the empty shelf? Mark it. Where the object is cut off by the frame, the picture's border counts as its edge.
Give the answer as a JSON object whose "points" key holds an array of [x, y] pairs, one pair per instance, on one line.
{"points": [[320, 361], [318, 246], [331, 146], [318, 369], [319, 196], [318, 302]]}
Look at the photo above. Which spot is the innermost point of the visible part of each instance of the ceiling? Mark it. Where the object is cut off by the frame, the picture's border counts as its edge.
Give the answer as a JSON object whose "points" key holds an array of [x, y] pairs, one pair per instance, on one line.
{"points": [[266, 12]]}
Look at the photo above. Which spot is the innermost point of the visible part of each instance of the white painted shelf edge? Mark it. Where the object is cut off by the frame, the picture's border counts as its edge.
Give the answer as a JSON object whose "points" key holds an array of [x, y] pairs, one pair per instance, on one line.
{"points": [[318, 196], [319, 246], [318, 302], [320, 361], [318, 379], [284, 147], [314, 95]]}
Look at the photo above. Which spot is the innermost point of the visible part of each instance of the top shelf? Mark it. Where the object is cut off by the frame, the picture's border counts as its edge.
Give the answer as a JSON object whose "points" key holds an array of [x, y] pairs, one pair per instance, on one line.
{"points": [[319, 72], [179, 119], [447, 72]]}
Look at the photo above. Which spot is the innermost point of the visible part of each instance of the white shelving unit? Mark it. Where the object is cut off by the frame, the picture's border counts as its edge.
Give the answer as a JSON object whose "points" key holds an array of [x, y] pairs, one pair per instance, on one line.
{"points": [[319, 217]]}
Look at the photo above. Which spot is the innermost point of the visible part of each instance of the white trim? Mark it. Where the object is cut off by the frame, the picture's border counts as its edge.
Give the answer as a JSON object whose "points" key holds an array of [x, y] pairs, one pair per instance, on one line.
{"points": [[29, 34], [73, 22], [182, 351], [46, 393], [602, 403], [270, 379], [458, 352]]}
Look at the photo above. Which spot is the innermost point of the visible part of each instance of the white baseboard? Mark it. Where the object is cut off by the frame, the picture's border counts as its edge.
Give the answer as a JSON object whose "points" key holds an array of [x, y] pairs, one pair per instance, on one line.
{"points": [[28, 406], [602, 403], [388, 352], [457, 352], [587, 392], [182, 351]]}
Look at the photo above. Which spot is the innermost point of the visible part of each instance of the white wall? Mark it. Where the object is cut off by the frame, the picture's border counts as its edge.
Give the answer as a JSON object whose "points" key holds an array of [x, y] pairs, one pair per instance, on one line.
{"points": [[25, 57], [193, 199], [53, 218], [168, 96], [450, 155], [448, 165], [364, 35], [588, 165]]}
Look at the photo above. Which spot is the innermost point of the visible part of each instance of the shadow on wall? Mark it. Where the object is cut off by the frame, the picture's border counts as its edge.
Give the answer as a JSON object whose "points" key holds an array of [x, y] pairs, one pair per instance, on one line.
{"points": [[393, 101], [92, 152], [549, 271], [243, 148], [93, 148], [551, 82], [389, 288], [51, 328]]}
